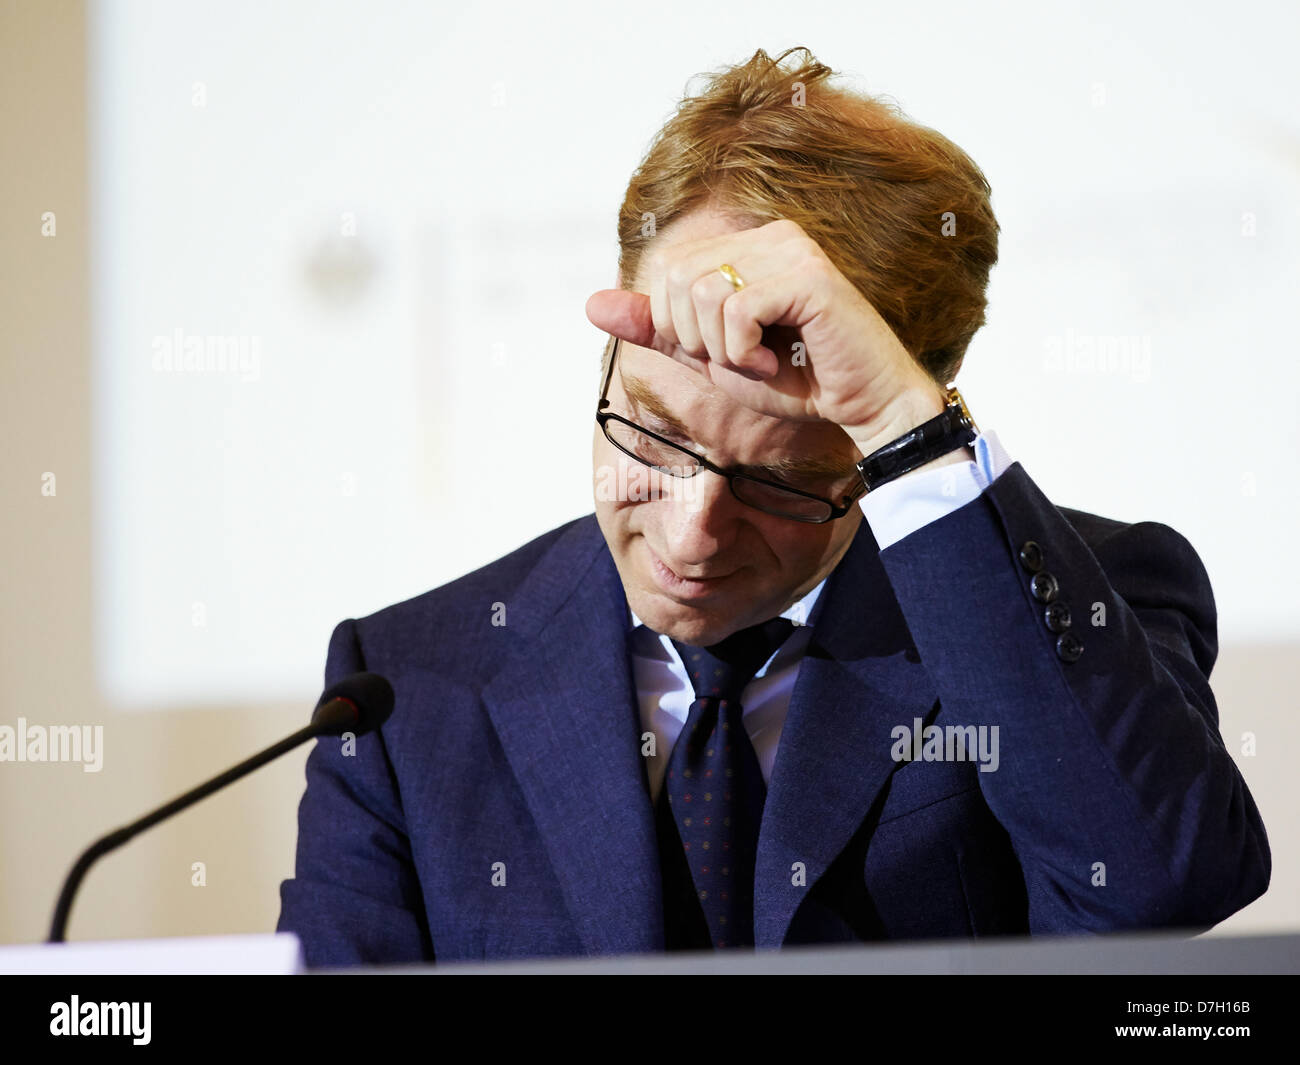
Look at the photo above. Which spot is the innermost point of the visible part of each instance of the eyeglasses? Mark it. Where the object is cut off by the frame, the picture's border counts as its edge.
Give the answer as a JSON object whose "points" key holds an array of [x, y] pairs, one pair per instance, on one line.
{"points": [[660, 454]]}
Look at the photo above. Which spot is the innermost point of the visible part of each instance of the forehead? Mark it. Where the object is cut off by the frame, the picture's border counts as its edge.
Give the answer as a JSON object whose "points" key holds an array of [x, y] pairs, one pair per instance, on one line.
{"points": [[699, 224]]}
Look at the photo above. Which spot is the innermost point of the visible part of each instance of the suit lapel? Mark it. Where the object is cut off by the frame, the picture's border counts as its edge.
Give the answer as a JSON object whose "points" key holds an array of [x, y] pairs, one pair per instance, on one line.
{"points": [[860, 678], [564, 708]]}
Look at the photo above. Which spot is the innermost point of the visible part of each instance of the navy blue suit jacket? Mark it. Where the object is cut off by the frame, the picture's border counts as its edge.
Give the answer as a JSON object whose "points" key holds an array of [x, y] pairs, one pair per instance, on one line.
{"points": [[503, 809]]}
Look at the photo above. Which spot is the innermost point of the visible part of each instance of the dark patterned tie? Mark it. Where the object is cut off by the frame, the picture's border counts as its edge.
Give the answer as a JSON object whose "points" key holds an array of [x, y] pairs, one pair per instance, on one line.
{"points": [[715, 789]]}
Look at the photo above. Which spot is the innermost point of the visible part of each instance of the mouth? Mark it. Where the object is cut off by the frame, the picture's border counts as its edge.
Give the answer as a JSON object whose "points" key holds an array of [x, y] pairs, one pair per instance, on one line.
{"points": [[680, 586]]}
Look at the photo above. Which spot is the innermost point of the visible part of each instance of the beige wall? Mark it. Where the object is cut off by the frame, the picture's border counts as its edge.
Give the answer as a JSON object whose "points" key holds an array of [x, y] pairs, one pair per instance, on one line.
{"points": [[48, 812], [245, 836]]}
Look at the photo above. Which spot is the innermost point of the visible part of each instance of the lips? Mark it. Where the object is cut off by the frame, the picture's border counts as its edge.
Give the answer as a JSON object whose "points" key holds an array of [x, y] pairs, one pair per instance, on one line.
{"points": [[683, 587]]}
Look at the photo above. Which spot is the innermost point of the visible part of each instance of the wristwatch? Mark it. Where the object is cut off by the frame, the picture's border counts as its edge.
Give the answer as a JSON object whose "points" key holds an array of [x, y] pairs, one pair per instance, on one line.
{"points": [[930, 440]]}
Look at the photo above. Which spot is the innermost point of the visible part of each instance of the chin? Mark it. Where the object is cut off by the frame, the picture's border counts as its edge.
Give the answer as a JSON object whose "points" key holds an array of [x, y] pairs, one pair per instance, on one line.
{"points": [[689, 625]]}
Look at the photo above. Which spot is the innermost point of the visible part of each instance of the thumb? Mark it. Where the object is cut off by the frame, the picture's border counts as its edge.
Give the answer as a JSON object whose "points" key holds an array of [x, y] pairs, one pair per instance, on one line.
{"points": [[625, 315]]}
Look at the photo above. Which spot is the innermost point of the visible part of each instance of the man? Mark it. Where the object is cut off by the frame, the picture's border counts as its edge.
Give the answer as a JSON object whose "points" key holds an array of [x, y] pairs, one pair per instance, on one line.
{"points": [[746, 704]]}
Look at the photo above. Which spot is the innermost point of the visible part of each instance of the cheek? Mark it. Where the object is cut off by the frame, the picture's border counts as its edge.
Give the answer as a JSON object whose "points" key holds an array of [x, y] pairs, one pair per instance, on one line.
{"points": [[611, 479], [604, 472], [798, 547], [620, 487]]}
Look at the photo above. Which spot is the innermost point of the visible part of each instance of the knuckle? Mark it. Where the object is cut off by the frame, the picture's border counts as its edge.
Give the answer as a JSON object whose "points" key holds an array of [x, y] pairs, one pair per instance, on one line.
{"points": [[700, 287], [815, 262], [733, 309], [677, 275]]}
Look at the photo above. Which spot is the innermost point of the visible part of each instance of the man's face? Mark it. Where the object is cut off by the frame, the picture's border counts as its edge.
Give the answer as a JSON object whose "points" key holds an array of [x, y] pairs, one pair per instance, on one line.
{"points": [[696, 563]]}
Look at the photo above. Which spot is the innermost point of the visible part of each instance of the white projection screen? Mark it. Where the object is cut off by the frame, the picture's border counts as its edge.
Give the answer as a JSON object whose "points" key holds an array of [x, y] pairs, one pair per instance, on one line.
{"points": [[340, 262]]}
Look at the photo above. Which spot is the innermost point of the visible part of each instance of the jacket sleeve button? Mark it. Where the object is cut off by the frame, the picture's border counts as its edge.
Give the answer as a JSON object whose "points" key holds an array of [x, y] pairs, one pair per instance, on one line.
{"points": [[1068, 647], [1044, 587], [1057, 617], [1031, 556]]}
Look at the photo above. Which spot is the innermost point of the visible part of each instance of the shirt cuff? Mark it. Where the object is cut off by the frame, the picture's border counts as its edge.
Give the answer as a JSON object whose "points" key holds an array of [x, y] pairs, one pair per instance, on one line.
{"points": [[914, 500]]}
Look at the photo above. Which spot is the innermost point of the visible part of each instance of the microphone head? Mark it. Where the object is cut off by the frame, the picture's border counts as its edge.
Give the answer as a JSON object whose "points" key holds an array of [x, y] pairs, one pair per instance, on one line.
{"points": [[357, 704]]}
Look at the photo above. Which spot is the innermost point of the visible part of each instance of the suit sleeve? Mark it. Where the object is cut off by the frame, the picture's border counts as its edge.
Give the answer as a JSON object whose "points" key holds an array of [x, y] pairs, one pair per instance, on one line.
{"points": [[1121, 801], [354, 898]]}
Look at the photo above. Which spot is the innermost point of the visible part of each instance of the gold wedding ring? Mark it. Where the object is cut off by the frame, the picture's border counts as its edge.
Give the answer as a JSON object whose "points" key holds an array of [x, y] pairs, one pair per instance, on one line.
{"points": [[730, 274]]}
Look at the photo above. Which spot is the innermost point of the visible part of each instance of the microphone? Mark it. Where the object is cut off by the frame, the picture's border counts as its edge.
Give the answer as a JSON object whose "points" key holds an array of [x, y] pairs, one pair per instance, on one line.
{"points": [[357, 704]]}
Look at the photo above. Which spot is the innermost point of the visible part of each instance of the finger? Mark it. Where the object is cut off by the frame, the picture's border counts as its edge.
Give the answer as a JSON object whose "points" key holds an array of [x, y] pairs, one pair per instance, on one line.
{"points": [[660, 309], [679, 278], [712, 291], [695, 292], [758, 306], [743, 333], [752, 255], [625, 315]]}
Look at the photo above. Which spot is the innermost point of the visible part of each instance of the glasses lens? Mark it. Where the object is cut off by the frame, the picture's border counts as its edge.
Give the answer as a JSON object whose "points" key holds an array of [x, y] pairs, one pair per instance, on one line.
{"points": [[672, 460], [653, 452], [776, 500]]}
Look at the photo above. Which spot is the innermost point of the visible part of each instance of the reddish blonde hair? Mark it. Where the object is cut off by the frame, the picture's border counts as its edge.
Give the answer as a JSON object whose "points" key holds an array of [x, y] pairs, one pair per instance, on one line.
{"points": [[871, 187]]}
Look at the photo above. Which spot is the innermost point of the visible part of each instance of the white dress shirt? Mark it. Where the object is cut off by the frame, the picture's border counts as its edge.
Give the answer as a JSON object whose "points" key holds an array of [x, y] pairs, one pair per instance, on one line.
{"points": [[893, 510]]}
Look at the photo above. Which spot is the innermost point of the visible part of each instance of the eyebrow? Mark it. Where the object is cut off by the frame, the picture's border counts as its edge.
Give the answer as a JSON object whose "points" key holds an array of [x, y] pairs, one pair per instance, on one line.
{"points": [[643, 397]]}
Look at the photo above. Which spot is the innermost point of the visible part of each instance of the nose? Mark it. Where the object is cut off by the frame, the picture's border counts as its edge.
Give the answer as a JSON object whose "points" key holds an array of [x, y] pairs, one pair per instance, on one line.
{"points": [[701, 518]]}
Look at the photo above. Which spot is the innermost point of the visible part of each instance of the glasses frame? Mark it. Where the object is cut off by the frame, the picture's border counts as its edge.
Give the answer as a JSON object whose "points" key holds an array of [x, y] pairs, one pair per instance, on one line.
{"points": [[603, 417]]}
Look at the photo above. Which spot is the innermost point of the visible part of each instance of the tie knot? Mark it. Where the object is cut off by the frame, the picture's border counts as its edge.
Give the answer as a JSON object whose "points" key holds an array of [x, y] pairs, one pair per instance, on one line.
{"points": [[723, 669]]}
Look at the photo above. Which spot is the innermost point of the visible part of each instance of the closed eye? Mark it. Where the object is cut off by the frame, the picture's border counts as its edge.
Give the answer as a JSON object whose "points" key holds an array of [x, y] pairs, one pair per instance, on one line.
{"points": [[779, 475], [667, 433], [776, 477]]}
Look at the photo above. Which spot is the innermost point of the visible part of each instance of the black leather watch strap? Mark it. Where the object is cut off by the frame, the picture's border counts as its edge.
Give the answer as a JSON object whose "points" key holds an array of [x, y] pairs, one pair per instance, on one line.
{"points": [[930, 440]]}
